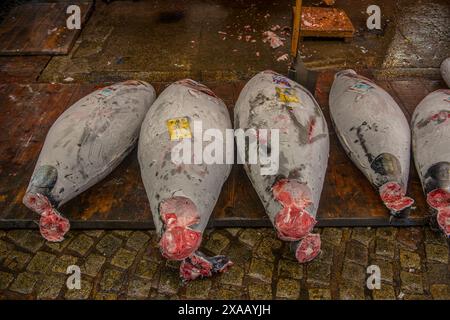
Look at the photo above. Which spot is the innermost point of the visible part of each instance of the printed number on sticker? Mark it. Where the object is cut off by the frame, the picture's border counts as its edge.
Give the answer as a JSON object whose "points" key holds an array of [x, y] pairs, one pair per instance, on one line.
{"points": [[286, 95], [179, 128]]}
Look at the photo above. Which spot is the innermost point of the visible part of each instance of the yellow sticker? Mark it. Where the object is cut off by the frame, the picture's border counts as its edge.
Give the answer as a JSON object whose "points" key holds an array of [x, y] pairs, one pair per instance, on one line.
{"points": [[179, 128], [286, 95]]}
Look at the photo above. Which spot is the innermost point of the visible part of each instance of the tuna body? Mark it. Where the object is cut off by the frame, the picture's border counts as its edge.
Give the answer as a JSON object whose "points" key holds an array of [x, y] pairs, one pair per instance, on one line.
{"points": [[445, 71], [375, 134], [182, 194], [83, 146], [291, 193], [431, 147]]}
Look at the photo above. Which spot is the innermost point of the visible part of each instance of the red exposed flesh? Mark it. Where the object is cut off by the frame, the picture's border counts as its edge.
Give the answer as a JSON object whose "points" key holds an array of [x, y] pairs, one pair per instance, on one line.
{"points": [[53, 226], [200, 266], [443, 220], [293, 222], [394, 197], [178, 240], [438, 198], [308, 248]]}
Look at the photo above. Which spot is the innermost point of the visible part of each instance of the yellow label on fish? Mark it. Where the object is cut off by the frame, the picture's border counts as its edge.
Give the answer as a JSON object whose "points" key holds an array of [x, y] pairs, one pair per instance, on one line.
{"points": [[286, 95], [179, 128]]}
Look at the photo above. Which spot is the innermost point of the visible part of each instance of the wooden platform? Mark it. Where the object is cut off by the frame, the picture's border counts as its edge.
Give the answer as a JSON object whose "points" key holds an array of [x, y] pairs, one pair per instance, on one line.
{"points": [[119, 201], [325, 22], [40, 29]]}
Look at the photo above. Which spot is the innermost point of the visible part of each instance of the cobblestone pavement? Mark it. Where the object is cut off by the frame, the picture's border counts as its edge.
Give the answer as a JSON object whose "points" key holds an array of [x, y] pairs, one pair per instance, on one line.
{"points": [[414, 264]]}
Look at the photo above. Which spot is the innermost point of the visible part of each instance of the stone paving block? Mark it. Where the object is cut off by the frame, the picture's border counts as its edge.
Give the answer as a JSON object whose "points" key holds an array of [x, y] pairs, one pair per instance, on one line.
{"points": [[60, 246], [105, 296], [31, 240], [123, 258], [434, 237], [356, 252], [387, 233], [94, 233], [2, 233], [5, 248], [5, 279], [265, 249], [351, 291], [233, 231], [440, 291], [437, 253], [240, 254], [385, 248], [261, 269], [50, 286], [410, 237], [327, 253], [169, 281], [259, 291], [318, 274], [61, 263], [93, 264], [225, 294], [290, 269], [108, 245], [386, 269], [17, 235], [250, 236], [409, 260], [80, 294], [81, 244], [139, 288], [198, 289], [16, 260], [363, 235], [24, 283], [354, 272], [332, 235], [386, 292], [111, 281], [437, 273], [411, 283], [147, 269], [123, 233], [288, 288], [216, 243], [319, 294], [234, 276], [137, 240], [41, 262]]}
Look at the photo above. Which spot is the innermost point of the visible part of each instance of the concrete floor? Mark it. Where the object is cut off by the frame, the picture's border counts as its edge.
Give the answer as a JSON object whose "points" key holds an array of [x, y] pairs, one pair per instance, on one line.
{"points": [[168, 40]]}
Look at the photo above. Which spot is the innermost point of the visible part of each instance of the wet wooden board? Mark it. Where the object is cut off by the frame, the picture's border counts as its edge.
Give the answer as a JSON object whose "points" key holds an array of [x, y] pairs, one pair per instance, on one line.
{"points": [[40, 29], [325, 22], [22, 69], [119, 201]]}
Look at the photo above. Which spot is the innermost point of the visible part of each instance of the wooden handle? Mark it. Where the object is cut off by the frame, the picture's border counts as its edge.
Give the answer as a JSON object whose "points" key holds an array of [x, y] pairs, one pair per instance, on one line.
{"points": [[296, 27]]}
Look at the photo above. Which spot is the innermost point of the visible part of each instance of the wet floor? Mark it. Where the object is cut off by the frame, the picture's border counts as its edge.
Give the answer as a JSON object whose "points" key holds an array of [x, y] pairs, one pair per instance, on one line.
{"points": [[223, 40]]}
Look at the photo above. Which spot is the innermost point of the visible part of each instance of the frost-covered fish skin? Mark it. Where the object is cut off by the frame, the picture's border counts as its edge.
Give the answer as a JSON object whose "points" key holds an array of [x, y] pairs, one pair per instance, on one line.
{"points": [[83, 146], [431, 148], [445, 71], [291, 195], [182, 196], [375, 134]]}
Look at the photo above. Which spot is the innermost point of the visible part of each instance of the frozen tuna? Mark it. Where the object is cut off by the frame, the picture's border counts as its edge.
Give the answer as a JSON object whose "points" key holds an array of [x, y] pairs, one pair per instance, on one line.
{"points": [[183, 192], [375, 134], [291, 194], [431, 148], [445, 71], [82, 147]]}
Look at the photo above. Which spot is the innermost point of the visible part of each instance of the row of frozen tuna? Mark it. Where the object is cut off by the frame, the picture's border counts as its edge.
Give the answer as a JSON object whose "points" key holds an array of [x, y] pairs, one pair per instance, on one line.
{"points": [[95, 134]]}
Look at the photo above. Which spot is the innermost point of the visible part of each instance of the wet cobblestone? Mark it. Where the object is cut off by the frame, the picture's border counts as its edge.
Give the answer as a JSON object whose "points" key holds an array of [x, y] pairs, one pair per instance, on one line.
{"points": [[128, 265]]}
